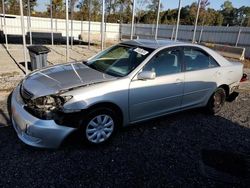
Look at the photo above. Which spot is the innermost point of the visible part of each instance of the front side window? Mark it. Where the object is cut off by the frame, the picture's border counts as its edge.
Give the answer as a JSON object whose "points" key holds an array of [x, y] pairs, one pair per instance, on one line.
{"points": [[165, 62], [119, 60], [196, 59]]}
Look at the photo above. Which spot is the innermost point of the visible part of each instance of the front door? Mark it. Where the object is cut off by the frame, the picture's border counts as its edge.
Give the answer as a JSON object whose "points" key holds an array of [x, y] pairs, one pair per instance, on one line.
{"points": [[149, 98]]}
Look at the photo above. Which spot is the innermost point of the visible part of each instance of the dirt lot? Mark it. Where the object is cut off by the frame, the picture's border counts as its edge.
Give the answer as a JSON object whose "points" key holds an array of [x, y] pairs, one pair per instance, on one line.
{"points": [[171, 151], [247, 63]]}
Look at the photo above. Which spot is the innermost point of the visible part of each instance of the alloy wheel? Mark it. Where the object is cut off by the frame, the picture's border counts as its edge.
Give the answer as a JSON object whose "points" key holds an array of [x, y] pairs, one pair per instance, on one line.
{"points": [[99, 128]]}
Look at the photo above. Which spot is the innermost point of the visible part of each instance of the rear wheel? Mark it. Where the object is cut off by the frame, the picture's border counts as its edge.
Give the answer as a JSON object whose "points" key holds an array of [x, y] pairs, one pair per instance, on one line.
{"points": [[216, 101], [100, 125]]}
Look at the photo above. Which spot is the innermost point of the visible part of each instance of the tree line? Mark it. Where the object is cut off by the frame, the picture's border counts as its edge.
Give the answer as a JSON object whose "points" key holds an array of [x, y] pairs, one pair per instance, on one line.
{"points": [[120, 11]]}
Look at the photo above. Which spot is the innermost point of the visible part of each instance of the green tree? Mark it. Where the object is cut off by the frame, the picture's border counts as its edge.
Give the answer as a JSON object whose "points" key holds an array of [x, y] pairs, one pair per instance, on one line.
{"points": [[153, 6], [71, 8], [96, 15], [84, 9], [151, 15], [1, 7], [125, 10], [243, 14], [219, 19], [185, 15], [95, 10], [12, 7], [188, 13], [228, 12], [227, 6], [32, 4], [192, 13], [58, 8], [139, 9], [213, 17]]}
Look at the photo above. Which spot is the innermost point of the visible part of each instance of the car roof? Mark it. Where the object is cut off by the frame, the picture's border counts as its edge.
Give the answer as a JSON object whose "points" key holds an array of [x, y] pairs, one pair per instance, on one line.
{"points": [[153, 44]]}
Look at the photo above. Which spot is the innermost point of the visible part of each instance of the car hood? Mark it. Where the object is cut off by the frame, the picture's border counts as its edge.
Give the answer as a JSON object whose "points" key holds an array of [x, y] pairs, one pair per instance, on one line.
{"points": [[59, 78]]}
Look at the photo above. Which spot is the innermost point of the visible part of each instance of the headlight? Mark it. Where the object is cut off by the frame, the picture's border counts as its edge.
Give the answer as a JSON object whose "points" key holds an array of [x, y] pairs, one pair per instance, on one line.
{"points": [[45, 102], [51, 102], [47, 107]]}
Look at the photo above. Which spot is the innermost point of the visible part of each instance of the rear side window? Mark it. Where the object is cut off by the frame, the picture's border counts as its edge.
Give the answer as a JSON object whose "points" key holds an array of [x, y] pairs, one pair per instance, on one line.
{"points": [[196, 59]]}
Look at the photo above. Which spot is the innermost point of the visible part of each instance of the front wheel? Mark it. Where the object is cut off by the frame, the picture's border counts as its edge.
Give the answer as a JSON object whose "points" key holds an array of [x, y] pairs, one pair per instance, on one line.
{"points": [[216, 101], [100, 126]]}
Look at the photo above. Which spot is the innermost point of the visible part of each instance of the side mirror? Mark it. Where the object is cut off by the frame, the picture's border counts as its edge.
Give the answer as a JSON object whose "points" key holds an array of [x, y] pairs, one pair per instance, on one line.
{"points": [[146, 75]]}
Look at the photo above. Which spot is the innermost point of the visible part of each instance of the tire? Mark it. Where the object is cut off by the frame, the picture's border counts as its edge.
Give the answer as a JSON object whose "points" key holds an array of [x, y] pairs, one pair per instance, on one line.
{"points": [[216, 101], [99, 126]]}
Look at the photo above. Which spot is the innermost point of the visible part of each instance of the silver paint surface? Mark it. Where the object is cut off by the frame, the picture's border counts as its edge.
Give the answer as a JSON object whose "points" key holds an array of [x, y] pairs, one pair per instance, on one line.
{"points": [[62, 77]]}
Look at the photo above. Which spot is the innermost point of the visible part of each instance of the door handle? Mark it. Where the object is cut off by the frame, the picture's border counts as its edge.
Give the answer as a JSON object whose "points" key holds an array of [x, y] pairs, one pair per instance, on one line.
{"points": [[178, 81], [218, 73]]}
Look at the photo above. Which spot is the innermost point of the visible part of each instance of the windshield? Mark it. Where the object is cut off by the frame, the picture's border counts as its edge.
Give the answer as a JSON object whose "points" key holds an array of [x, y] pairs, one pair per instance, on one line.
{"points": [[119, 60]]}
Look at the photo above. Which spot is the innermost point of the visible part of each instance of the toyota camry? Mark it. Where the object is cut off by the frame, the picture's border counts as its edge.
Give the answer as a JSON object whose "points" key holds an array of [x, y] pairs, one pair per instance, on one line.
{"points": [[127, 83]]}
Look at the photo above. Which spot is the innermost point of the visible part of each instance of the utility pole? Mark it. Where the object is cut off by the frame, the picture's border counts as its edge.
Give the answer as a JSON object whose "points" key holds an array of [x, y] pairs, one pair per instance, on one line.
{"points": [[29, 22], [102, 26], [51, 23], [178, 21], [132, 22], [71, 18], [157, 19], [24, 39], [240, 29], [67, 30], [4, 24], [89, 24], [196, 20]]}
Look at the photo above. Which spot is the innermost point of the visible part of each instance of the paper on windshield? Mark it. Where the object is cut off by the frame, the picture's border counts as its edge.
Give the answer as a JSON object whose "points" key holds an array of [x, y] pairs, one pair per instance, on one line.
{"points": [[141, 51]]}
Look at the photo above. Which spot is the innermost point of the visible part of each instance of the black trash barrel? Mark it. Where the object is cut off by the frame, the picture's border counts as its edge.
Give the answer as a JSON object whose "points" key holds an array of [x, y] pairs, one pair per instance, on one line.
{"points": [[38, 56], [2, 39]]}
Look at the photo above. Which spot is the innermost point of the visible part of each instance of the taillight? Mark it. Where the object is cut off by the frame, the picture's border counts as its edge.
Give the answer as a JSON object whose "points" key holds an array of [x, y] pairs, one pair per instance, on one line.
{"points": [[244, 77]]}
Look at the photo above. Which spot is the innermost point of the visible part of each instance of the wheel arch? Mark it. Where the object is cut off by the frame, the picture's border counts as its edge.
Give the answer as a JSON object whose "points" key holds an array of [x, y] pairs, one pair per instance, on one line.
{"points": [[226, 88], [109, 105], [223, 86]]}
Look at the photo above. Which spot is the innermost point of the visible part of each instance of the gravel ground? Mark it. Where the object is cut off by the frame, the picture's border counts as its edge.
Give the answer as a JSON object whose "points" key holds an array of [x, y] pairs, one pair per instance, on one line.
{"points": [[161, 152]]}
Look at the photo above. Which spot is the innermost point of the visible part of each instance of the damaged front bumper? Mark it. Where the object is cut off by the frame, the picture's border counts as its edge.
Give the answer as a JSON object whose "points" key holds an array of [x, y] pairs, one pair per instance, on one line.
{"points": [[33, 131]]}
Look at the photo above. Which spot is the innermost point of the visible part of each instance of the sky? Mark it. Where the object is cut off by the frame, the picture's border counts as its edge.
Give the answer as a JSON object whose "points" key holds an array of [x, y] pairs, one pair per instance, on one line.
{"points": [[169, 3]]}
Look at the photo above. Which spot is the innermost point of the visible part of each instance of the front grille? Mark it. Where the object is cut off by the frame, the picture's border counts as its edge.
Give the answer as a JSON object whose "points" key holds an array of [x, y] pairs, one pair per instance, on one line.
{"points": [[26, 94]]}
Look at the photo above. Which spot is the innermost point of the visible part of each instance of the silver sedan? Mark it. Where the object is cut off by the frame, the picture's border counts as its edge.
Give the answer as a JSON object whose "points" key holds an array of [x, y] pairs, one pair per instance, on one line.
{"points": [[130, 82]]}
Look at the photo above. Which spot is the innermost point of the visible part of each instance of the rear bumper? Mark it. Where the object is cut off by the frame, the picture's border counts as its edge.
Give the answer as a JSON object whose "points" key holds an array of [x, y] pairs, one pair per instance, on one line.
{"points": [[33, 131]]}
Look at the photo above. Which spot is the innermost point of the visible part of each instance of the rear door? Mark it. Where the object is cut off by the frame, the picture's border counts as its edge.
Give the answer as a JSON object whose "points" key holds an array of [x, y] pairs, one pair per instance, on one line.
{"points": [[201, 75]]}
